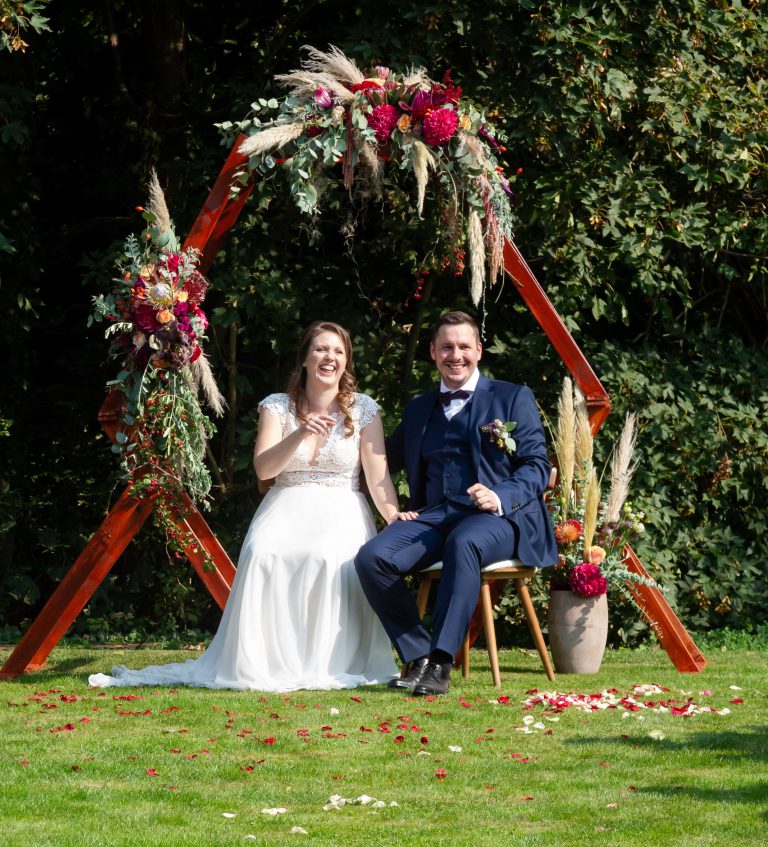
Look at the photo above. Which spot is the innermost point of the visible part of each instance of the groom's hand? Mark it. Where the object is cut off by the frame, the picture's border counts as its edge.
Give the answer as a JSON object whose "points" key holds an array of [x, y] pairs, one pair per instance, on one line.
{"points": [[484, 499]]}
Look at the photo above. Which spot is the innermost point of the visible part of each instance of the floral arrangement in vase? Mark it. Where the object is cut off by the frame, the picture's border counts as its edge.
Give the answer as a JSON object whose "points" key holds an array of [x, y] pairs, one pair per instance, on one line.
{"points": [[337, 116], [156, 327], [591, 530]]}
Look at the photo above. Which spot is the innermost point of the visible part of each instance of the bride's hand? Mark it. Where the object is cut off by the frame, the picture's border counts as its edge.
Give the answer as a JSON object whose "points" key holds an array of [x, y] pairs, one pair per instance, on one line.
{"points": [[318, 425], [403, 516]]}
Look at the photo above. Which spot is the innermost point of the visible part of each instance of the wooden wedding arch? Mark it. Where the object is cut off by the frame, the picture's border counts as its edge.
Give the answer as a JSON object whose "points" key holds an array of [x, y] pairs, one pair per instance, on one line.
{"points": [[125, 519]]}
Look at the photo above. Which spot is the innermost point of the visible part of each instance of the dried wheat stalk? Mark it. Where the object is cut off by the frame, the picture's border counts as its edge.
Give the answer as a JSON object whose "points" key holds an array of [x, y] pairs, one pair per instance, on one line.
{"points": [[476, 256]]}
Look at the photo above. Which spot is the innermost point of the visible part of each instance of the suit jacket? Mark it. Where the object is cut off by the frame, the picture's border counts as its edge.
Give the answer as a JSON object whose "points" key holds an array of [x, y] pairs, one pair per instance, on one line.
{"points": [[519, 479]]}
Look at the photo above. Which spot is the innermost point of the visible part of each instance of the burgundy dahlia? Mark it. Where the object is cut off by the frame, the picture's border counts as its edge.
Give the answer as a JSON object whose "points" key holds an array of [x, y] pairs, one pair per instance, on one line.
{"points": [[382, 120], [440, 126], [587, 580]]}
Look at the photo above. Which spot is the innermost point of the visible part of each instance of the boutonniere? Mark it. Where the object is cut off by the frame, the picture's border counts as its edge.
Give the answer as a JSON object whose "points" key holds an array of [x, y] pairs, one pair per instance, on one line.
{"points": [[500, 434]]}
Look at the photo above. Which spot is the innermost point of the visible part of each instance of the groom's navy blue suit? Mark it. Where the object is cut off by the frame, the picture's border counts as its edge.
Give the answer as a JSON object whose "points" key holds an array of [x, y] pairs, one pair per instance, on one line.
{"points": [[442, 459]]}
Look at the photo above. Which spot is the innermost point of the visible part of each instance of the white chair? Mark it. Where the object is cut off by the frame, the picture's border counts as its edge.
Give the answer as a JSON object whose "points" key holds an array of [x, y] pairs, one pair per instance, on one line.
{"points": [[506, 570]]}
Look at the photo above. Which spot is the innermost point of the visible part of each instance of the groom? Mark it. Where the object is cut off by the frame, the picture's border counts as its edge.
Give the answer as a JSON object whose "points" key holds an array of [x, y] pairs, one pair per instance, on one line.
{"points": [[477, 503]]}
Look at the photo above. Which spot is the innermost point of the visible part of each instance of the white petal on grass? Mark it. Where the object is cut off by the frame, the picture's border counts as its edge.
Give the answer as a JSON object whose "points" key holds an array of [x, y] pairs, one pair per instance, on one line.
{"points": [[378, 804], [364, 800], [454, 748], [333, 711], [656, 735], [228, 815], [539, 725], [735, 688], [297, 830], [725, 711], [278, 810], [393, 804], [528, 720], [423, 753]]}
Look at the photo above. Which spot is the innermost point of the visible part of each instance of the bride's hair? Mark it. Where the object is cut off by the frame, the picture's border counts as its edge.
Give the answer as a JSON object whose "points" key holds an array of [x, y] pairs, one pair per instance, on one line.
{"points": [[298, 380]]}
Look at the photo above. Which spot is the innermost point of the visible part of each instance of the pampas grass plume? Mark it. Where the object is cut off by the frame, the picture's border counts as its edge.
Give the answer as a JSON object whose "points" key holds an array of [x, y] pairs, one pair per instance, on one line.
{"points": [[476, 256], [621, 470], [156, 204], [591, 508], [565, 446], [423, 160], [271, 139]]}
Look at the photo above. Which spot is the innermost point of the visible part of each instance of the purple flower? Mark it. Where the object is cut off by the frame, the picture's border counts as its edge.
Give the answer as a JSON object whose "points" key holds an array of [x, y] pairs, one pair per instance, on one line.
{"points": [[323, 98]]}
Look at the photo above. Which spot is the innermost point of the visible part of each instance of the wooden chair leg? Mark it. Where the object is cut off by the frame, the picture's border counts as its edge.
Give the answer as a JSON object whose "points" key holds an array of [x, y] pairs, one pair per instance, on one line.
{"points": [[423, 596], [533, 626], [465, 658], [490, 631]]}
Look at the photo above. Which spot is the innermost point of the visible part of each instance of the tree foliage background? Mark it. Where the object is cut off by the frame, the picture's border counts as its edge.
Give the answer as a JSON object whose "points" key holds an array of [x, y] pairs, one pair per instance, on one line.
{"points": [[638, 145]]}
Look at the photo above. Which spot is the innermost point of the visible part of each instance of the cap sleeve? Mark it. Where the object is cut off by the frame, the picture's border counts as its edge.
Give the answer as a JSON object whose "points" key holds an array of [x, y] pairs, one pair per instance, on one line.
{"points": [[367, 408], [278, 405]]}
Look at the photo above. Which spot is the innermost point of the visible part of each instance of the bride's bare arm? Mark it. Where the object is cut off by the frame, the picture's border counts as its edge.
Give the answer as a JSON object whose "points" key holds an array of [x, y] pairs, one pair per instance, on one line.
{"points": [[374, 461], [273, 452]]}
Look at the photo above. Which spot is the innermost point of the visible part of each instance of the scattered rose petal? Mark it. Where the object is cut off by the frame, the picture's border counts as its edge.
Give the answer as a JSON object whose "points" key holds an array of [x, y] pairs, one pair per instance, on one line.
{"points": [[228, 815], [356, 699], [279, 810], [441, 773], [735, 688], [612, 806], [656, 735], [151, 772], [333, 711], [527, 798], [297, 830], [454, 748]]}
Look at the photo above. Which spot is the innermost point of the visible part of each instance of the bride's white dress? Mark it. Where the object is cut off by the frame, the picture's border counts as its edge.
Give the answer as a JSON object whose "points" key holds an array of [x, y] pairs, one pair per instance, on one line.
{"points": [[296, 616]]}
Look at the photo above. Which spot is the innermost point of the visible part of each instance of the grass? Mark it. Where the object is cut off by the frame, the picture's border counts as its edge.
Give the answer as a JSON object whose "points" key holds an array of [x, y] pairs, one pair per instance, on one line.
{"points": [[80, 767]]}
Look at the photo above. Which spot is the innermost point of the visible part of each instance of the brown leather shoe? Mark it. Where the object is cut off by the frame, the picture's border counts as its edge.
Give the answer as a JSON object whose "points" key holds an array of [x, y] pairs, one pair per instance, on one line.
{"points": [[413, 677], [436, 679]]}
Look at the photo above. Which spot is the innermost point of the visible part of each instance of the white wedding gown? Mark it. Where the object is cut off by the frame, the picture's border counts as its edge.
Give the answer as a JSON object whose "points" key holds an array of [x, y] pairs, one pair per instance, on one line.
{"points": [[296, 617]]}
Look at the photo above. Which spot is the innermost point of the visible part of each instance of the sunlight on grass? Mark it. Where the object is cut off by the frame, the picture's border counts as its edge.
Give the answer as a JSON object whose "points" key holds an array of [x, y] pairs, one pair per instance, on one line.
{"points": [[198, 767]]}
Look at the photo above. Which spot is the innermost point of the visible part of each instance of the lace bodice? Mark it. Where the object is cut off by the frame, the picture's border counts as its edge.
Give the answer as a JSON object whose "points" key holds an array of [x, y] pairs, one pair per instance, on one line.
{"points": [[338, 462]]}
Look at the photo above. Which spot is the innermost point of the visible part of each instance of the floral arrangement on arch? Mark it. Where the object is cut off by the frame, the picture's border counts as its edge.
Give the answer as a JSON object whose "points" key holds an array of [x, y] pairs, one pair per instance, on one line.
{"points": [[336, 116], [156, 327], [591, 531]]}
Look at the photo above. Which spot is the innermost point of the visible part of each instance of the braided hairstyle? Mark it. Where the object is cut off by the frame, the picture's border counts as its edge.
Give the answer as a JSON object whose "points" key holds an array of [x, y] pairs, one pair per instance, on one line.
{"points": [[298, 380]]}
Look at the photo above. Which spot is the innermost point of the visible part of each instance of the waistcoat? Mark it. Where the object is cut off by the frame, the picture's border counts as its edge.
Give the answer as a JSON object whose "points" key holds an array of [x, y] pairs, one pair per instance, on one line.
{"points": [[446, 457]]}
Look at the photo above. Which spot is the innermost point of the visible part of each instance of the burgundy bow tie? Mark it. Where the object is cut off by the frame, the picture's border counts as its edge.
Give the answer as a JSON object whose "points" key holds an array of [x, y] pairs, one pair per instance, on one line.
{"points": [[447, 396]]}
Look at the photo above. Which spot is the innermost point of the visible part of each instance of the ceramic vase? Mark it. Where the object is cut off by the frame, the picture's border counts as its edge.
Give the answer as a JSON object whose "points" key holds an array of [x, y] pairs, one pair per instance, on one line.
{"points": [[578, 631]]}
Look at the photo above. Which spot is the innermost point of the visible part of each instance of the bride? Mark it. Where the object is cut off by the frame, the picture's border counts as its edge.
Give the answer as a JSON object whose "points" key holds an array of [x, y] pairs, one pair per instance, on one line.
{"points": [[296, 616]]}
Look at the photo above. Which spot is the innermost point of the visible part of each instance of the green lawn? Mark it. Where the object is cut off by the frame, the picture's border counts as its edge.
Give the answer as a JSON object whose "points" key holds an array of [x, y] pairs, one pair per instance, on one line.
{"points": [[197, 767]]}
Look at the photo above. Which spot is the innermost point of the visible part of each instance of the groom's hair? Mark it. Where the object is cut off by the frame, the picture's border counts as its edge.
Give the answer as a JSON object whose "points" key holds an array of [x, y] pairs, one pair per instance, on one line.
{"points": [[454, 319]]}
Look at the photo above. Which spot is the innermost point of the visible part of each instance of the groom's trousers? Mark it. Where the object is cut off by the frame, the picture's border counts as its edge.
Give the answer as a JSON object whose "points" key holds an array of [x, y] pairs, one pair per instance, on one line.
{"points": [[465, 539]]}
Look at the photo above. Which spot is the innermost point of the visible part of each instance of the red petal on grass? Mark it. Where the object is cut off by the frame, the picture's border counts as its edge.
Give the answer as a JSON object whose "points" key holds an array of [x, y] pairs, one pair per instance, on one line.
{"points": [[399, 739], [270, 740], [151, 772], [24, 762], [69, 698], [737, 700], [171, 709], [604, 765], [128, 697], [247, 768], [335, 776], [365, 729], [191, 756], [441, 773], [50, 706], [356, 699], [527, 798], [231, 714], [85, 720], [424, 739], [171, 788], [274, 715], [489, 787], [503, 699], [174, 751], [302, 732], [326, 728]]}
